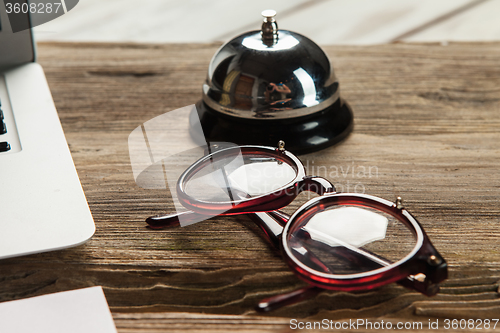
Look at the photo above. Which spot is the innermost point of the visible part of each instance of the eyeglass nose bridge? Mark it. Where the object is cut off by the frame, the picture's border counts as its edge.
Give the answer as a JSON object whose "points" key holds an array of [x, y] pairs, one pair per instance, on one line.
{"points": [[315, 184]]}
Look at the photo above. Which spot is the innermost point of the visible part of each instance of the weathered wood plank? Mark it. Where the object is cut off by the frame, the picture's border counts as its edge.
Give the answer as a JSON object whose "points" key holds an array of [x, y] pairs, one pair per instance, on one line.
{"points": [[325, 21], [476, 24], [158, 21], [359, 22], [427, 122]]}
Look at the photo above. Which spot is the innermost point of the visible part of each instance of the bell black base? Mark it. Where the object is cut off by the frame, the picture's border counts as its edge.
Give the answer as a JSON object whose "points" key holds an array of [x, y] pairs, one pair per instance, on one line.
{"points": [[302, 135]]}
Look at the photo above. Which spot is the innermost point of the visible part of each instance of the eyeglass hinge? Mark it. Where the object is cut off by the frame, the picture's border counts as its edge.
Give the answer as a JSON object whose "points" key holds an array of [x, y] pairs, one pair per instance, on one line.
{"points": [[434, 260], [399, 203], [281, 145]]}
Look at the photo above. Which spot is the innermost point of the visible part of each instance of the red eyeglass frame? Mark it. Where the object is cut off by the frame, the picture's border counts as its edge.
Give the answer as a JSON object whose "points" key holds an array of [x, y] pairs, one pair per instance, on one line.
{"points": [[279, 198], [423, 259], [422, 269]]}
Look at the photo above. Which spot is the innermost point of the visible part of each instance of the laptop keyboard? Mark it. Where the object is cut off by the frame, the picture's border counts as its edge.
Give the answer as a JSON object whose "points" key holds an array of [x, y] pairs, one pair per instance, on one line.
{"points": [[4, 145]]}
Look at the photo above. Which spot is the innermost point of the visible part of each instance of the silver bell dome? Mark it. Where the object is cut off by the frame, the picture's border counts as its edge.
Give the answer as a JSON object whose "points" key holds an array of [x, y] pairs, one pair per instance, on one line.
{"points": [[270, 74]]}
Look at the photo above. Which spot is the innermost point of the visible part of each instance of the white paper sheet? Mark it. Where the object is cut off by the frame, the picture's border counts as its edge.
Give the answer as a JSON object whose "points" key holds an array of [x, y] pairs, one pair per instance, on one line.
{"points": [[82, 310]]}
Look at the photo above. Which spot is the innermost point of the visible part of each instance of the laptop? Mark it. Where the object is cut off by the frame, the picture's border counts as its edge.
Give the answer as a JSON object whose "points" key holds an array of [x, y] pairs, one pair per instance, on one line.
{"points": [[42, 204]]}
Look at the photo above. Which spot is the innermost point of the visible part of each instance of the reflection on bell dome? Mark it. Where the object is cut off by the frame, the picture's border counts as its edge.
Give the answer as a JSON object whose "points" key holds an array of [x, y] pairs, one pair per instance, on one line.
{"points": [[284, 42], [308, 87]]}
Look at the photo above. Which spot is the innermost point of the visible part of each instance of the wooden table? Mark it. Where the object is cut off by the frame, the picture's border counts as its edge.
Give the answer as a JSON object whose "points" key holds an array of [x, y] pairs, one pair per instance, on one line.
{"points": [[427, 120]]}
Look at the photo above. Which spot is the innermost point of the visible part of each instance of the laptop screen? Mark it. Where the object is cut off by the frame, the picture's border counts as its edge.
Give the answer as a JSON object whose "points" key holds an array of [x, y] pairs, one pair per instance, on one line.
{"points": [[15, 48]]}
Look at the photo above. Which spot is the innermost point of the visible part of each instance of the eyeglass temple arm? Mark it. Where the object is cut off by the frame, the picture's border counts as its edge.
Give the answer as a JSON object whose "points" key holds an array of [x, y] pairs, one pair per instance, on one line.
{"points": [[173, 220], [302, 294], [289, 298], [315, 184], [292, 297], [272, 221]]}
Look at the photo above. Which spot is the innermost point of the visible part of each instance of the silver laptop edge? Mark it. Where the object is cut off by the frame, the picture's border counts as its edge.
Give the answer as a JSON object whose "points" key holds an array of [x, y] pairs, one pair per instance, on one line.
{"points": [[42, 204]]}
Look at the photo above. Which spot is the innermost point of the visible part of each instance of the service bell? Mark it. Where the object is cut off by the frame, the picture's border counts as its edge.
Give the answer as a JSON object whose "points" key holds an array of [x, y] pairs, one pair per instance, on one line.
{"points": [[269, 85]]}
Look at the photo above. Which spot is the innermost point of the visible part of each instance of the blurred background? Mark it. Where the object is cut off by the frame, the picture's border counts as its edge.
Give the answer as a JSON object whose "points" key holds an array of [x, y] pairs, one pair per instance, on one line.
{"points": [[325, 21]]}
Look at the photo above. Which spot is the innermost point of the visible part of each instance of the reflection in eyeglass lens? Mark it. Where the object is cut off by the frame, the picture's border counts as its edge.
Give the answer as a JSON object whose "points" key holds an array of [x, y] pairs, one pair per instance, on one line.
{"points": [[234, 177], [348, 240]]}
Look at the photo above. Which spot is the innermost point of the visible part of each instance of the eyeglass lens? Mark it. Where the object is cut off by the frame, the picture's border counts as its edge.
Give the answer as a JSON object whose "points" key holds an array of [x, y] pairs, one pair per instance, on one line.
{"points": [[235, 175], [348, 239]]}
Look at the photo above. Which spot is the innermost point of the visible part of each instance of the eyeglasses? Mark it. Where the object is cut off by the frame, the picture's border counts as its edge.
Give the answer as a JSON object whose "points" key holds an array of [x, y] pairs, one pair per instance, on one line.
{"points": [[336, 241]]}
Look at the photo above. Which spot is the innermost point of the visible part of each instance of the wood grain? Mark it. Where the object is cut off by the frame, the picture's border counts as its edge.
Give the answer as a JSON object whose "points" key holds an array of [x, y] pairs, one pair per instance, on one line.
{"points": [[427, 122], [478, 24]]}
